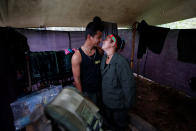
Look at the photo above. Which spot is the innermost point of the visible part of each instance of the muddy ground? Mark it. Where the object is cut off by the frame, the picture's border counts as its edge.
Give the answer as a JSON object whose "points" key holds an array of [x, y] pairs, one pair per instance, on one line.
{"points": [[165, 108]]}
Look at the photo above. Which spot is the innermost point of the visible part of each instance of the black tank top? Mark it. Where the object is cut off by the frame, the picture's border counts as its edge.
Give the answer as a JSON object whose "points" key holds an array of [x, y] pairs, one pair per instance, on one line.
{"points": [[90, 73]]}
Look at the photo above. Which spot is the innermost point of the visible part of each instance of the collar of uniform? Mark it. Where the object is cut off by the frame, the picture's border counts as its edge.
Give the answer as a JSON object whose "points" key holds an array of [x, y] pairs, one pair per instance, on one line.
{"points": [[114, 58], [113, 61]]}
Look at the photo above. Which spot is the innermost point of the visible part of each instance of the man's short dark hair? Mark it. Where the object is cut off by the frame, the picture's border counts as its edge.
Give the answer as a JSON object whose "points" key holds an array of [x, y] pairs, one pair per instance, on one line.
{"points": [[94, 26]]}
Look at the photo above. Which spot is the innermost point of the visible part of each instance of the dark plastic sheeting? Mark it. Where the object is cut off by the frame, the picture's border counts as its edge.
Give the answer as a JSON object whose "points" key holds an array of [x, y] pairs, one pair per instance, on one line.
{"points": [[163, 68]]}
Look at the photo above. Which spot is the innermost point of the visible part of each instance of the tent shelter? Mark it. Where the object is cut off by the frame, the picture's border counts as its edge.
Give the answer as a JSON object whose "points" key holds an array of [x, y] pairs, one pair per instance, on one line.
{"points": [[163, 68], [77, 13]]}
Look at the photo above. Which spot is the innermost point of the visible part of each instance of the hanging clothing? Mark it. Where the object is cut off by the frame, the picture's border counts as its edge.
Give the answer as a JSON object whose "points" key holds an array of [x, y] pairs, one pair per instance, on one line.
{"points": [[61, 61], [192, 83], [186, 45], [43, 64], [64, 62], [151, 37]]}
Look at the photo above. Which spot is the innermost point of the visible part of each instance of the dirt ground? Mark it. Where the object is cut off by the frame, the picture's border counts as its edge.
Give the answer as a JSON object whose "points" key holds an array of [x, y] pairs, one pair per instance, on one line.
{"points": [[165, 108]]}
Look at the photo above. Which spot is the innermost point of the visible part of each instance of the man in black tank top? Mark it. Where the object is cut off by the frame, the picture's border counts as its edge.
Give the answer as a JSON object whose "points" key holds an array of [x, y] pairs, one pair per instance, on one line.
{"points": [[86, 62]]}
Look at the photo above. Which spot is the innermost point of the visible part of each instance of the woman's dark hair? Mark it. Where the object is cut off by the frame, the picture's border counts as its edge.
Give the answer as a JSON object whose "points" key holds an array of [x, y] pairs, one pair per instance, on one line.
{"points": [[120, 42], [94, 26]]}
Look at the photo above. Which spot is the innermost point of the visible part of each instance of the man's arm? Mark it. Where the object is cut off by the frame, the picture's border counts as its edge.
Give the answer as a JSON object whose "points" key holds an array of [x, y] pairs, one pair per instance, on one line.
{"points": [[76, 60]]}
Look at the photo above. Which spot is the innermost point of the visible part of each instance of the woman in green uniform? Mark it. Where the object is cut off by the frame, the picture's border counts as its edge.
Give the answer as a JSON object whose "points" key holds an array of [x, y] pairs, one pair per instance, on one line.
{"points": [[118, 85]]}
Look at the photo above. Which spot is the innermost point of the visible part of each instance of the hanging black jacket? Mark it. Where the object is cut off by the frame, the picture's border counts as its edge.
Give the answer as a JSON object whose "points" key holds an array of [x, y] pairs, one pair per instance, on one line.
{"points": [[186, 45], [151, 37]]}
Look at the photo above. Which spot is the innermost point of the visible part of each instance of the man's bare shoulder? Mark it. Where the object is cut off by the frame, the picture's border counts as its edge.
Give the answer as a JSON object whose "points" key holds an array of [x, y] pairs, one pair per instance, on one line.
{"points": [[76, 58]]}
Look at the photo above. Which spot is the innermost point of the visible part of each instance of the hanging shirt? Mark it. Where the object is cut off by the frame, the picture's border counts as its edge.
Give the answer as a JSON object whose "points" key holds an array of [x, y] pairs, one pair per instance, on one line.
{"points": [[186, 44]]}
